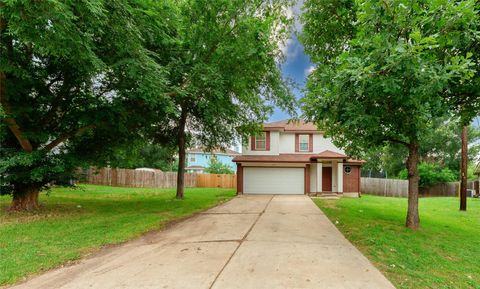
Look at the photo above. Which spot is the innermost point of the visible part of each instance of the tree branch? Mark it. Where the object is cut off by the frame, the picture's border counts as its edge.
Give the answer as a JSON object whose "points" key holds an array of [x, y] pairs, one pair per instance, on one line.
{"points": [[390, 139], [62, 138], [182, 86], [9, 120]]}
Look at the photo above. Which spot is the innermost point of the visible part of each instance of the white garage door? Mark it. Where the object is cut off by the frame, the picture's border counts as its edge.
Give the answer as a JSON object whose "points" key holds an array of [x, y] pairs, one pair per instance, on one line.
{"points": [[273, 180]]}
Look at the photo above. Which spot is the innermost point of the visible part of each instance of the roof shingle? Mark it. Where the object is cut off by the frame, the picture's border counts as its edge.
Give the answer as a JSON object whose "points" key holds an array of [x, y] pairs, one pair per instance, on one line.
{"points": [[291, 125]]}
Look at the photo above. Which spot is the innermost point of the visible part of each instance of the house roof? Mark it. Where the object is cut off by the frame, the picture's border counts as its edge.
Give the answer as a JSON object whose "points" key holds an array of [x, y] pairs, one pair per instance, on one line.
{"points": [[214, 151], [295, 158], [329, 155], [291, 126], [355, 162], [194, 168]]}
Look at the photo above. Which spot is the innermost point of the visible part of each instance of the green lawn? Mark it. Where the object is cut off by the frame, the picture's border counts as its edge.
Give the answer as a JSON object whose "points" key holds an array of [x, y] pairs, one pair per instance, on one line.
{"points": [[443, 253], [73, 222]]}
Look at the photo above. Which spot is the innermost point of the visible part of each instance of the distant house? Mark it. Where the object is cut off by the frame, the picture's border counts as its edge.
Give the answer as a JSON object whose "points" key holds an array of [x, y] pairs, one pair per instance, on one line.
{"points": [[198, 159]]}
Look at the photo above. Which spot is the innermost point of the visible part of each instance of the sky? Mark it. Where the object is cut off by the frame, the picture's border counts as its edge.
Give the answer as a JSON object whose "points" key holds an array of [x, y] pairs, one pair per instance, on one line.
{"points": [[297, 66]]}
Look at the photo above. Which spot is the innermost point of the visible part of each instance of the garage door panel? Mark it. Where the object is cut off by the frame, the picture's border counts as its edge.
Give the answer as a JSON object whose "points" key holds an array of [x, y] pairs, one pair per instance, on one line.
{"points": [[273, 180]]}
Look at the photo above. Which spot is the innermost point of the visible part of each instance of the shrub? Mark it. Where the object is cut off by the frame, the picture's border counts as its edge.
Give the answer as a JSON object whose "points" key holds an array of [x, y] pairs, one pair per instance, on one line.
{"points": [[217, 167], [431, 174]]}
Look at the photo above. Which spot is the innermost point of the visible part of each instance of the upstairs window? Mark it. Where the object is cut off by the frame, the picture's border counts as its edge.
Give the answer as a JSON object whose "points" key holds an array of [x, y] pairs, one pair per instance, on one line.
{"points": [[261, 141], [304, 142]]}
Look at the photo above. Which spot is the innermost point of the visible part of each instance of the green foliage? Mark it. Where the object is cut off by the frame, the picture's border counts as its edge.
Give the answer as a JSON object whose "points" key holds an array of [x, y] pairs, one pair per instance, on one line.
{"points": [[431, 174], [459, 43], [79, 78], [328, 28], [145, 155], [385, 82], [217, 167], [36, 242], [427, 258], [389, 159], [443, 144], [440, 146], [471, 172]]}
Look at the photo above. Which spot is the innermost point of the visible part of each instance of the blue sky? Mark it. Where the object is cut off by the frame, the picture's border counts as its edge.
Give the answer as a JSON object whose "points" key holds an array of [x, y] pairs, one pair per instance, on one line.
{"points": [[297, 65]]}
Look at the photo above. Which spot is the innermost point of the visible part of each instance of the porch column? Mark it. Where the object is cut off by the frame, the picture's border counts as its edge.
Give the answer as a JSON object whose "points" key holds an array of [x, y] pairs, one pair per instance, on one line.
{"points": [[340, 177], [319, 177], [334, 177], [239, 179]]}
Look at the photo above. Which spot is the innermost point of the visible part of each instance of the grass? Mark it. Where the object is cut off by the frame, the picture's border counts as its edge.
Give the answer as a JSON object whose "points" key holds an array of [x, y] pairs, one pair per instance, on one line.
{"points": [[74, 222], [443, 253]]}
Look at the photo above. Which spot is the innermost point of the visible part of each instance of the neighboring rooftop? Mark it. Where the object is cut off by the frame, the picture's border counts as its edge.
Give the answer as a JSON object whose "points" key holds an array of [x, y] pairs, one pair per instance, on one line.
{"points": [[215, 151], [291, 125], [194, 168]]}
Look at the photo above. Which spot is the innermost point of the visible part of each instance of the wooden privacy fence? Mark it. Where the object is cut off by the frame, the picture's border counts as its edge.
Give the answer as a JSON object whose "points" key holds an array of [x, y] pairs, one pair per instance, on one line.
{"points": [[216, 181], [156, 179], [399, 188], [445, 189], [384, 187]]}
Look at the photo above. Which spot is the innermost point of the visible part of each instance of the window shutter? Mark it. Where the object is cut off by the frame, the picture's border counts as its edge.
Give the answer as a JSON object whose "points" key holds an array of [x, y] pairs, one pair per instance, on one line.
{"points": [[310, 142], [253, 143], [267, 140], [297, 143]]}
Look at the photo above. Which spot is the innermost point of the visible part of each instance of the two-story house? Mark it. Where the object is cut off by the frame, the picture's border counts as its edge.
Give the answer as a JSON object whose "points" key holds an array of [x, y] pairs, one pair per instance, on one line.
{"points": [[198, 159], [295, 158]]}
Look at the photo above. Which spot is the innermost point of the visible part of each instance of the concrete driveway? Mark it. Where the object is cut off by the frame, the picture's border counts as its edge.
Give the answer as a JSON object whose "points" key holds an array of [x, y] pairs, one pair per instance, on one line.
{"points": [[250, 242]]}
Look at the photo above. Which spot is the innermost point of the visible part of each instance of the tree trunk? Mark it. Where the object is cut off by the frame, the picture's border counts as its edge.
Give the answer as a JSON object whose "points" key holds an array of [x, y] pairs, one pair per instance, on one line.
{"points": [[463, 170], [25, 198], [181, 155], [413, 219]]}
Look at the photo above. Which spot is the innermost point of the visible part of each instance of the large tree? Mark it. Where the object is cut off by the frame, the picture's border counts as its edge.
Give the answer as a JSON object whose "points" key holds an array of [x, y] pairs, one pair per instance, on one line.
{"points": [[459, 36], [384, 80], [77, 78], [224, 71]]}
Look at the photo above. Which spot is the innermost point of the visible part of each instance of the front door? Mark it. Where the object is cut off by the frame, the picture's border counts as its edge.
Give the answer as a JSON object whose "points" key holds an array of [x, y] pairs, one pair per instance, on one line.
{"points": [[327, 179]]}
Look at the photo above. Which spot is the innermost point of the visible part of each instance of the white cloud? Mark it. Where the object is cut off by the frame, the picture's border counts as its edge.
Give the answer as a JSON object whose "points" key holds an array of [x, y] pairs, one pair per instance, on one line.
{"points": [[290, 49], [296, 11], [309, 70]]}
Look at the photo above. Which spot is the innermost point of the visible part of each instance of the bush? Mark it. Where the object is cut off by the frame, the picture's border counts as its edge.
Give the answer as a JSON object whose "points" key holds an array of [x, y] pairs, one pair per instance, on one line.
{"points": [[217, 167], [431, 174]]}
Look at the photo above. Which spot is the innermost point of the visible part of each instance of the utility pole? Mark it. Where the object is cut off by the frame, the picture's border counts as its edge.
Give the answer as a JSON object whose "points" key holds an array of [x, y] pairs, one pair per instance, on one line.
{"points": [[463, 170]]}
